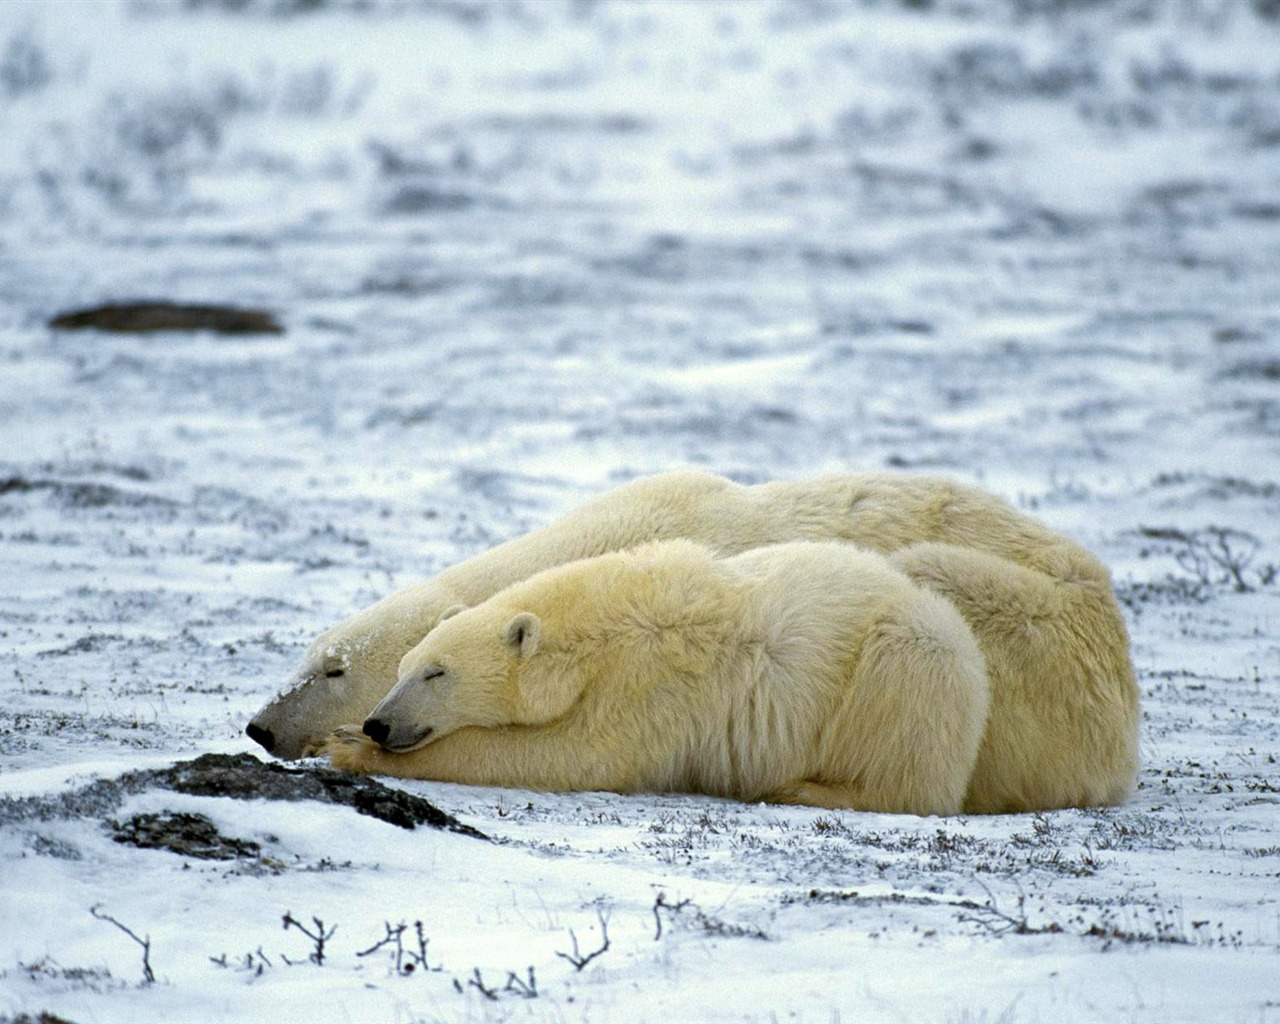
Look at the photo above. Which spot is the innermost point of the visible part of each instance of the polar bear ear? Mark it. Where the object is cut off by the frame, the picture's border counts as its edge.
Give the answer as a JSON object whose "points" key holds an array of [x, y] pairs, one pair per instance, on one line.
{"points": [[523, 633], [450, 612]]}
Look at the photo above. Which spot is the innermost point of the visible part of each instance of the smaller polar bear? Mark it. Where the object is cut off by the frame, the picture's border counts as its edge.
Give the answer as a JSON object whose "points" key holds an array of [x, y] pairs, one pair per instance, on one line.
{"points": [[808, 672]]}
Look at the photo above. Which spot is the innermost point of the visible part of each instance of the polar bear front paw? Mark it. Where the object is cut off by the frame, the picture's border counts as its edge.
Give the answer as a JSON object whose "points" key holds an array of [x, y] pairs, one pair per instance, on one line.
{"points": [[349, 749], [348, 734]]}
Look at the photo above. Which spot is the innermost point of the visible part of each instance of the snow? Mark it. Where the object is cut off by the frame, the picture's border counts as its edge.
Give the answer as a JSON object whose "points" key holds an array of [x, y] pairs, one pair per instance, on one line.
{"points": [[525, 252]]}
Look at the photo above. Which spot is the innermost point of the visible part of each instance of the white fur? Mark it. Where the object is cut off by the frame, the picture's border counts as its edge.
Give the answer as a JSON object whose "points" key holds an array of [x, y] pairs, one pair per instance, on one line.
{"points": [[806, 672]]}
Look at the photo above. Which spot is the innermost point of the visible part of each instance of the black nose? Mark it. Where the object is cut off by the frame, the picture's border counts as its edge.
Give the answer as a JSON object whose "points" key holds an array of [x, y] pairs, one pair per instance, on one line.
{"points": [[376, 729], [261, 735]]}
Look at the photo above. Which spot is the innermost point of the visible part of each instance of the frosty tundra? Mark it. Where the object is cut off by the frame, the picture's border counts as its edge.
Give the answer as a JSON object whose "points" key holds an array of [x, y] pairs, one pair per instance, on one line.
{"points": [[961, 542]]}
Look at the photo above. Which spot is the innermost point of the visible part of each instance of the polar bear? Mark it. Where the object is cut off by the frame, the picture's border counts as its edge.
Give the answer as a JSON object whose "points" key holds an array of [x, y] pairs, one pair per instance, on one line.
{"points": [[812, 673], [352, 666], [1060, 722]]}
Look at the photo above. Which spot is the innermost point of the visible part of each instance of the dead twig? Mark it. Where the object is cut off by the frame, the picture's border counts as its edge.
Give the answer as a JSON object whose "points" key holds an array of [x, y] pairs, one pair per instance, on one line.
{"points": [[661, 904], [476, 981], [393, 935], [148, 976], [406, 960], [998, 922], [319, 937], [577, 958], [526, 987]]}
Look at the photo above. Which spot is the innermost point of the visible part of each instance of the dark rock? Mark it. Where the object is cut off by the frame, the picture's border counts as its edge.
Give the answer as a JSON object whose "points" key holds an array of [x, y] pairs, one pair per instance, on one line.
{"points": [[43, 1017], [192, 835], [415, 199], [240, 777], [86, 494], [147, 317], [243, 776]]}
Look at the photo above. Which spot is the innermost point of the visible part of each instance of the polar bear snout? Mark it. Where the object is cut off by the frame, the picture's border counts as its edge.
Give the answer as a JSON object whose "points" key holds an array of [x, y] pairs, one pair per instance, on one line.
{"points": [[396, 740], [264, 737]]}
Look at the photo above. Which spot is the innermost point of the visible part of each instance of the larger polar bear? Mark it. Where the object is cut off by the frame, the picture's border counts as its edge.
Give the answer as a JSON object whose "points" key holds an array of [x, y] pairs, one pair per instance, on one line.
{"points": [[352, 666], [801, 673]]}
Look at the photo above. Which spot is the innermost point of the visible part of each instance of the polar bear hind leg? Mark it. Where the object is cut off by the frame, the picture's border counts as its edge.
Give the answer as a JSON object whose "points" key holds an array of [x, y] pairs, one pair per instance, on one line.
{"points": [[904, 737], [1063, 724]]}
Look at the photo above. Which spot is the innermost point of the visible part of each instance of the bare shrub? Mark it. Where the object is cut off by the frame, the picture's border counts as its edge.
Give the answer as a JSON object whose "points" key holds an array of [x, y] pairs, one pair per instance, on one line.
{"points": [[698, 919], [318, 937], [1000, 922], [148, 976], [1213, 558], [406, 960], [579, 959]]}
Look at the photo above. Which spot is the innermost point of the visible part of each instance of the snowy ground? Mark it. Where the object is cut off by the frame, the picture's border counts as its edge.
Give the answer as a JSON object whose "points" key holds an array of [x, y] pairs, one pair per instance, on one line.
{"points": [[524, 252]]}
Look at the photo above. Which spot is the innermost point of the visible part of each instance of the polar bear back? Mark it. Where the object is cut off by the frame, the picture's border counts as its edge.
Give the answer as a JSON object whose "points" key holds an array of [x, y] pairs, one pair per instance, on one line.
{"points": [[829, 666]]}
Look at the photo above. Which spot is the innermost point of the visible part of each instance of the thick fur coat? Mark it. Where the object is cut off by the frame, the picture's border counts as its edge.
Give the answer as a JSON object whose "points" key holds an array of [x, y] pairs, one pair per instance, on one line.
{"points": [[811, 673], [800, 673]]}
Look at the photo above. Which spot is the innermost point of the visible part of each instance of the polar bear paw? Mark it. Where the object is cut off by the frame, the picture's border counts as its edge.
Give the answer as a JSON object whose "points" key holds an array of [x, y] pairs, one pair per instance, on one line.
{"points": [[349, 749]]}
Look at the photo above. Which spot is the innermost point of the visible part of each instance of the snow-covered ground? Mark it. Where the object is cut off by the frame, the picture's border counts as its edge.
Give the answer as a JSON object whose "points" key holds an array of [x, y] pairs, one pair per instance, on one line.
{"points": [[522, 252]]}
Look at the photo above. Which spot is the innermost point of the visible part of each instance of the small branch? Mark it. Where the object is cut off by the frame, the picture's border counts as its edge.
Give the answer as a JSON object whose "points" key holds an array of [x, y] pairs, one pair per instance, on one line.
{"points": [[576, 957], [477, 982], [320, 936], [254, 961], [406, 960], [148, 976], [661, 904], [420, 957], [997, 922], [528, 988], [393, 935]]}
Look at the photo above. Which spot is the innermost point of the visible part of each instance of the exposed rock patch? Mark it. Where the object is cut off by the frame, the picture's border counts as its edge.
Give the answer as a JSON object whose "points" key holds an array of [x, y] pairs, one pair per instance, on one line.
{"points": [[192, 835], [149, 317], [243, 776], [240, 777]]}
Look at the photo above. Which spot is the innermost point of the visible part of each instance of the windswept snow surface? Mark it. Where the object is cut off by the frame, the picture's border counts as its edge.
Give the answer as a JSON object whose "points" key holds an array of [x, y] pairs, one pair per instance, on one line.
{"points": [[526, 251]]}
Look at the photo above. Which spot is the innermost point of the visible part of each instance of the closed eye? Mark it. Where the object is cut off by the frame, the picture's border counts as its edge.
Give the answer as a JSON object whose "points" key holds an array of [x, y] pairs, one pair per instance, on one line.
{"points": [[434, 673]]}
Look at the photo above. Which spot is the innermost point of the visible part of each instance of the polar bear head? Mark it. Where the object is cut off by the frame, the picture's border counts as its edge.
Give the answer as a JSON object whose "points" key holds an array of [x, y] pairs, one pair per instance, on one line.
{"points": [[533, 652], [481, 667], [346, 671]]}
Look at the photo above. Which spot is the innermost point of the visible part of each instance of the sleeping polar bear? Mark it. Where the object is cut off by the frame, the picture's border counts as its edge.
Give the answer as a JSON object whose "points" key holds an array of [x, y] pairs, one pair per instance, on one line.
{"points": [[813, 673], [352, 666]]}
